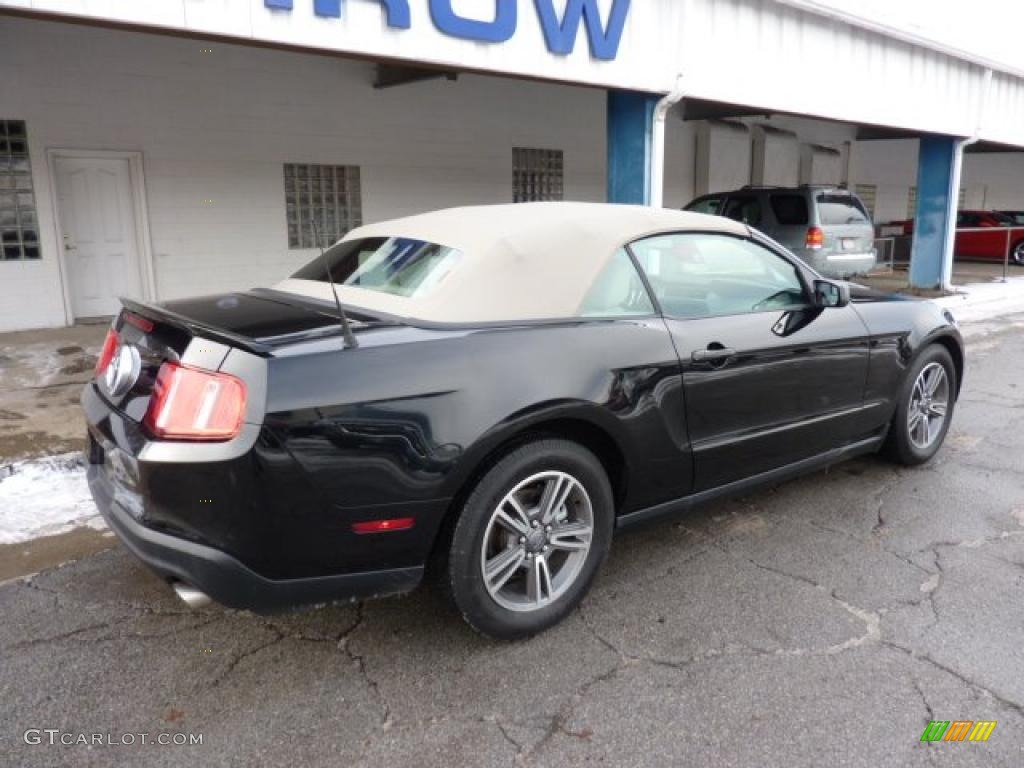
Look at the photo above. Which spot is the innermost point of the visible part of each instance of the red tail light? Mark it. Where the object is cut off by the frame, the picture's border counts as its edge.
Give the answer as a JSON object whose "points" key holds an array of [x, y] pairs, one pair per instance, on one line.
{"points": [[189, 404], [815, 239], [107, 352]]}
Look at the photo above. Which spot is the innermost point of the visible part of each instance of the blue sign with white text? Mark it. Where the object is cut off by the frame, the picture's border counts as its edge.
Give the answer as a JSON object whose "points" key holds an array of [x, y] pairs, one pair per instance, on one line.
{"points": [[604, 36]]}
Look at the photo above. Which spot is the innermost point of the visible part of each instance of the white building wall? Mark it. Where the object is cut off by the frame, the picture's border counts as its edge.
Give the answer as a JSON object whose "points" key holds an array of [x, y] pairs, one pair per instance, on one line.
{"points": [[219, 126], [680, 162], [891, 166], [776, 157], [724, 151], [820, 165], [988, 180], [718, 156], [995, 181]]}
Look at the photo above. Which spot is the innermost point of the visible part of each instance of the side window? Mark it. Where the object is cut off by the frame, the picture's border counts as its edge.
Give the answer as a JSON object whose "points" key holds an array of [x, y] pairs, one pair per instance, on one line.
{"points": [[618, 291], [746, 209], [711, 205], [703, 274], [790, 210]]}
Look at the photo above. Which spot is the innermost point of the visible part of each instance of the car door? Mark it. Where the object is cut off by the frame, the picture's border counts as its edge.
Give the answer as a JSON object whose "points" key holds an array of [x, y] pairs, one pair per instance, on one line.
{"points": [[980, 237], [768, 378]]}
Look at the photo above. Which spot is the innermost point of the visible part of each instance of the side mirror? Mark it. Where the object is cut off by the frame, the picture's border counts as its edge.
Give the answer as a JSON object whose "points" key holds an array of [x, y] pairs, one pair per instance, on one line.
{"points": [[829, 294]]}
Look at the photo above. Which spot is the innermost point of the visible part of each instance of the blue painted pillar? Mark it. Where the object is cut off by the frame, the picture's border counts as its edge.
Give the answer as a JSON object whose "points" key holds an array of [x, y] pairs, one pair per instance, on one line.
{"points": [[938, 182], [630, 116]]}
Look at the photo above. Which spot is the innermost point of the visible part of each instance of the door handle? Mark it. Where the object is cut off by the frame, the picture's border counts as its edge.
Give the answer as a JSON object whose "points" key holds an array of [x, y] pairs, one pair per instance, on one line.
{"points": [[712, 354]]}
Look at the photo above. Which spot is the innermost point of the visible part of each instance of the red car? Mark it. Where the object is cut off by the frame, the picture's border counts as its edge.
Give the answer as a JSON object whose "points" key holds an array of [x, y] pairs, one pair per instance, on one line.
{"points": [[983, 235], [986, 234]]}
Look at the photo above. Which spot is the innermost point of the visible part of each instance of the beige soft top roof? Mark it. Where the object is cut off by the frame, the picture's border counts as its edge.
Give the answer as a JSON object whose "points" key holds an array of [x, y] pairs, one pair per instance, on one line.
{"points": [[528, 261]]}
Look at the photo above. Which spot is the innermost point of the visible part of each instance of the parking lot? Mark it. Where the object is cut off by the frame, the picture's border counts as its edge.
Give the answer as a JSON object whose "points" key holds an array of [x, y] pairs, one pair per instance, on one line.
{"points": [[825, 621]]}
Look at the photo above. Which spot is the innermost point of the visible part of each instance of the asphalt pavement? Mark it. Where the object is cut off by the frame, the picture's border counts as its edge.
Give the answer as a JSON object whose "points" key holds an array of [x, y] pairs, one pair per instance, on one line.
{"points": [[824, 622]]}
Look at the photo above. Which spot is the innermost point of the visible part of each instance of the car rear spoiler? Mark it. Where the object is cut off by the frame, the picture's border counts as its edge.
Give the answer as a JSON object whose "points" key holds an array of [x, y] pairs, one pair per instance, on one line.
{"points": [[166, 316]]}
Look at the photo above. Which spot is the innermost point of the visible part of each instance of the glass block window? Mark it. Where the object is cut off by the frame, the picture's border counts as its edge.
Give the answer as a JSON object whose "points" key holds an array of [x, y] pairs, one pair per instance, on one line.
{"points": [[537, 175], [19, 227], [328, 193]]}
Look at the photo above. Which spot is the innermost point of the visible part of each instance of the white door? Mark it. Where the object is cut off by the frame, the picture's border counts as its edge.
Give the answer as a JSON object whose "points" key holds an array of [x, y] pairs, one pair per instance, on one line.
{"points": [[97, 218]]}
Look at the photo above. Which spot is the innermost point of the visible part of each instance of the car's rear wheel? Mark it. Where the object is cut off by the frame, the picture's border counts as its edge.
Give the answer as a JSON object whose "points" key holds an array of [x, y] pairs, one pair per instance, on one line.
{"points": [[925, 408], [1017, 255], [530, 539]]}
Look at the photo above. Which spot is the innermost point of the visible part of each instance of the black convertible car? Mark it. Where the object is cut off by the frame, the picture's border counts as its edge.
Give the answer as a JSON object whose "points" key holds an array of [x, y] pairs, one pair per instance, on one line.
{"points": [[492, 391]]}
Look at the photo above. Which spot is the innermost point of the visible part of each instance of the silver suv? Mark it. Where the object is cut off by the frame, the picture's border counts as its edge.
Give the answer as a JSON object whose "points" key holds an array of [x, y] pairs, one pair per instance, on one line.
{"points": [[827, 227]]}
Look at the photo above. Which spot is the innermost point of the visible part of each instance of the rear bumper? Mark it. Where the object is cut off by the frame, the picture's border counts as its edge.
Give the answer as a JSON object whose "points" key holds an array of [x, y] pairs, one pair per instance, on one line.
{"points": [[841, 264], [240, 520], [227, 580]]}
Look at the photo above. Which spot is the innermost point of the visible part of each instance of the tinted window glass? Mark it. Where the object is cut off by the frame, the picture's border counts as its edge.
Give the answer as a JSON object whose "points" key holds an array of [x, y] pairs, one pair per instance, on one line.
{"points": [[744, 209], [709, 205], [790, 210], [396, 265], [618, 291], [836, 210], [699, 274]]}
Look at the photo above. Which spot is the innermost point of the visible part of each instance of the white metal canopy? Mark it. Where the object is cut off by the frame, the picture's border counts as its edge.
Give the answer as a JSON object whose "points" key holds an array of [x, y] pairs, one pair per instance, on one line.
{"points": [[796, 56]]}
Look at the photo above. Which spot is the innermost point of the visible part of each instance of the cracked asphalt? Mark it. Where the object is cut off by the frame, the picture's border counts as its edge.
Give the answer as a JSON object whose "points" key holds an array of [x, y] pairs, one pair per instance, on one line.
{"points": [[825, 621]]}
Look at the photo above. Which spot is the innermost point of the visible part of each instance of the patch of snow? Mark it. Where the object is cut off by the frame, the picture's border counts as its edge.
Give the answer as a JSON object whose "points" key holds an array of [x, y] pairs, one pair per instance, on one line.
{"points": [[38, 364], [33, 365], [983, 301], [44, 497], [931, 584]]}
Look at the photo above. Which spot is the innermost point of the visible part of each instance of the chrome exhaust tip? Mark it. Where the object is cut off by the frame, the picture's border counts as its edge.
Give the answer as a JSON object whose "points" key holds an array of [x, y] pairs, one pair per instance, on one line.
{"points": [[191, 596]]}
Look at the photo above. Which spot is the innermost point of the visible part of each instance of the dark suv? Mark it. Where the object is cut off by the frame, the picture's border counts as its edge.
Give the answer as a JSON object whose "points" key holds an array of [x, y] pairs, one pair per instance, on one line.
{"points": [[827, 227]]}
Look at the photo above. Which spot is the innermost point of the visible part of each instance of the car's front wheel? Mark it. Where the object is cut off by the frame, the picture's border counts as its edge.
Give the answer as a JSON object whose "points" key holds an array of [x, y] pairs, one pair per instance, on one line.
{"points": [[925, 408], [530, 539]]}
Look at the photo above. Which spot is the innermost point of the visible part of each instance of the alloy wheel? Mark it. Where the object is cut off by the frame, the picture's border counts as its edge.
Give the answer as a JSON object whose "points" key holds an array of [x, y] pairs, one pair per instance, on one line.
{"points": [[1018, 253], [537, 541], [929, 404]]}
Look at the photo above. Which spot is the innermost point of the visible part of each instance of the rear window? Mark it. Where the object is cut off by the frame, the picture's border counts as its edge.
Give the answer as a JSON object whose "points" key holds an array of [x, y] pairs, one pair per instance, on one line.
{"points": [[836, 210], [400, 266], [790, 210]]}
